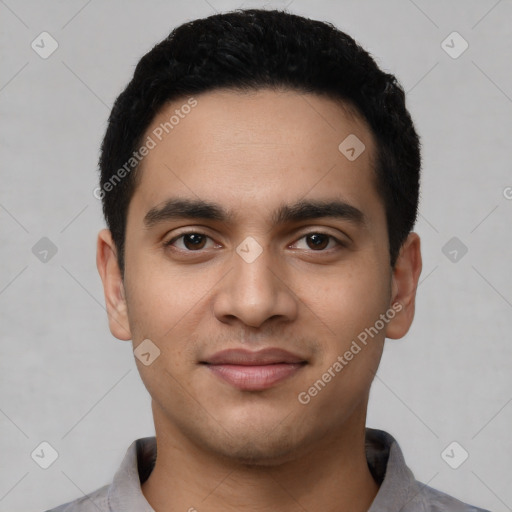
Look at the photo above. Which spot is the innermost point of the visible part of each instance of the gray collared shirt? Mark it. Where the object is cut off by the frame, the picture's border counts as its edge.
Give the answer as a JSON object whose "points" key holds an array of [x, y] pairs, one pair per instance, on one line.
{"points": [[398, 492]]}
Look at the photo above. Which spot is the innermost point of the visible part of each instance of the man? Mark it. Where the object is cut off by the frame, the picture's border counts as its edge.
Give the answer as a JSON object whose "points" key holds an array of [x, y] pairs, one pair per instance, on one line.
{"points": [[260, 180]]}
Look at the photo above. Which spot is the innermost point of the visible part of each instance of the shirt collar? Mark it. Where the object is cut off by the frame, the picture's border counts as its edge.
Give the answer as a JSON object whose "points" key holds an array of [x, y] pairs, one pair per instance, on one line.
{"points": [[125, 492], [398, 487], [385, 460]]}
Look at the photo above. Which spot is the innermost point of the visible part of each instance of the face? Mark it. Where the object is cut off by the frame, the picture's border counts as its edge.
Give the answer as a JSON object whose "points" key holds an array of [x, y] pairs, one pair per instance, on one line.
{"points": [[256, 258]]}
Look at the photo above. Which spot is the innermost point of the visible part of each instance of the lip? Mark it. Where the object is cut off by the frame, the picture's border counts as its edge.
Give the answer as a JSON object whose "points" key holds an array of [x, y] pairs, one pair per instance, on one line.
{"points": [[254, 371]]}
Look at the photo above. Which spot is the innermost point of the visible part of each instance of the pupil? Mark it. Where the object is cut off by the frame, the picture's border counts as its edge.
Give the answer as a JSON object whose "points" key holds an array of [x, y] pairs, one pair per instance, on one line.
{"points": [[318, 240], [195, 239]]}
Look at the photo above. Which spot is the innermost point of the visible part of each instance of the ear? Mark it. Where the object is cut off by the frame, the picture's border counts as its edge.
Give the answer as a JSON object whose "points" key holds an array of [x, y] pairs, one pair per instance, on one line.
{"points": [[404, 283], [113, 287]]}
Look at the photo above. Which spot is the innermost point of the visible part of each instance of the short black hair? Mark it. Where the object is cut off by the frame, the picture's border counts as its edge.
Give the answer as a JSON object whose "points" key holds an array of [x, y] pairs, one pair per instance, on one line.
{"points": [[251, 49]]}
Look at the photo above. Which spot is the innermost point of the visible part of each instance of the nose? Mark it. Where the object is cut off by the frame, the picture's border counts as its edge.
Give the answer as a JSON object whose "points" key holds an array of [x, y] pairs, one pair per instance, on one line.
{"points": [[255, 291]]}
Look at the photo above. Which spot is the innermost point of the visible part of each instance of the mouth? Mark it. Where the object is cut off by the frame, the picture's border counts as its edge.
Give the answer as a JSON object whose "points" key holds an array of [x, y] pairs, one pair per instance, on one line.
{"points": [[254, 371]]}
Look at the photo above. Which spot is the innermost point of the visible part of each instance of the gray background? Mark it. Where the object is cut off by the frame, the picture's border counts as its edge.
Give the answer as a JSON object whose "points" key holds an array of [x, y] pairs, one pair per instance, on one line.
{"points": [[67, 381]]}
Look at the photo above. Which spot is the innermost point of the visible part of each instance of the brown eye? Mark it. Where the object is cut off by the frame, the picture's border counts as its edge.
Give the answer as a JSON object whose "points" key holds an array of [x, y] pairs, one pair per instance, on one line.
{"points": [[189, 241], [194, 241], [318, 240]]}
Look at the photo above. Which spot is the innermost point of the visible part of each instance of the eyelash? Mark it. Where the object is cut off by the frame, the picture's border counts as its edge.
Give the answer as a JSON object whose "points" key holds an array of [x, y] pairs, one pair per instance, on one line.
{"points": [[331, 237]]}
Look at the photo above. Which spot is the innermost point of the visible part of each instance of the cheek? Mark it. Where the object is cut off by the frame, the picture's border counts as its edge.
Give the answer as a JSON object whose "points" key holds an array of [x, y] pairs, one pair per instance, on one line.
{"points": [[160, 296], [350, 305], [353, 306], [163, 309], [348, 298], [168, 306]]}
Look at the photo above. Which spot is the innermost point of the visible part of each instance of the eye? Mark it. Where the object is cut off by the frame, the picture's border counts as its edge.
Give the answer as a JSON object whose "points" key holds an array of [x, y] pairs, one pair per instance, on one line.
{"points": [[192, 241], [318, 241]]}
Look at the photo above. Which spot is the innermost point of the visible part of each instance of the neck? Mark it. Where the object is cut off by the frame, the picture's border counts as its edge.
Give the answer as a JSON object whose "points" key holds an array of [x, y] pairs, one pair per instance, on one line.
{"points": [[332, 475]]}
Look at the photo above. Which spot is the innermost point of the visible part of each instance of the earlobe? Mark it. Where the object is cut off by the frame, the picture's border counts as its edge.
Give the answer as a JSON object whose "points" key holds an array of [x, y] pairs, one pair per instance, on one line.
{"points": [[113, 286], [404, 283]]}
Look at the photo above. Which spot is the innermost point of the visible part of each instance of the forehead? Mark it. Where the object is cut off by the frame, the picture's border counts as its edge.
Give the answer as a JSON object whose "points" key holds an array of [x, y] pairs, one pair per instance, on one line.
{"points": [[254, 150]]}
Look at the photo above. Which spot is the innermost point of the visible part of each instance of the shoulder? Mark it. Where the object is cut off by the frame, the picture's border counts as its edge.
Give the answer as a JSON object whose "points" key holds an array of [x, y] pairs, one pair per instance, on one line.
{"points": [[96, 501], [437, 501]]}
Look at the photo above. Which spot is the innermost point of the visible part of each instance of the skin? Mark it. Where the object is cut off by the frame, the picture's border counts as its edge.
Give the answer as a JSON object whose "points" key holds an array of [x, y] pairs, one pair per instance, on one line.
{"points": [[219, 447]]}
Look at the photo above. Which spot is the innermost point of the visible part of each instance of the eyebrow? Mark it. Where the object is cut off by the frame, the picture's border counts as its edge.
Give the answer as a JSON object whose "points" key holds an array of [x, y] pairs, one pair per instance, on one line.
{"points": [[178, 208]]}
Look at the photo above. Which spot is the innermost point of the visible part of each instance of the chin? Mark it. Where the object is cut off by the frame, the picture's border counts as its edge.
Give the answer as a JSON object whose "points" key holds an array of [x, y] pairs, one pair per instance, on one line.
{"points": [[259, 452], [259, 443]]}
